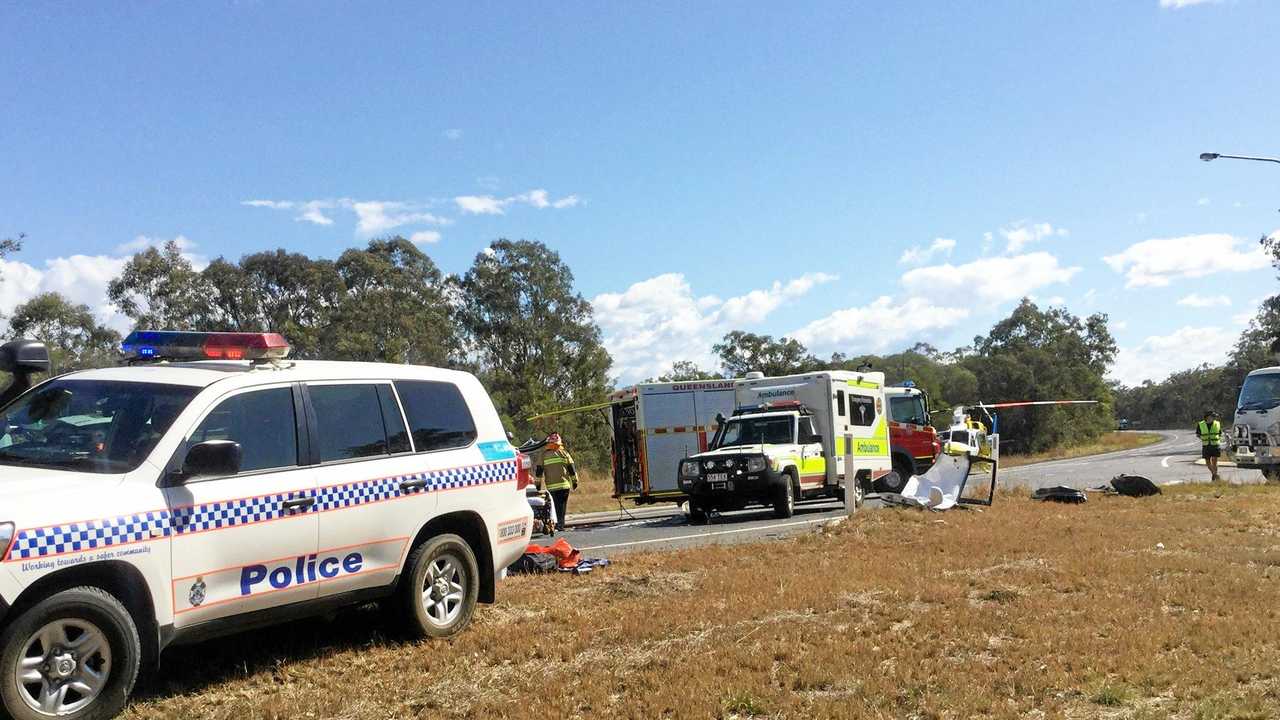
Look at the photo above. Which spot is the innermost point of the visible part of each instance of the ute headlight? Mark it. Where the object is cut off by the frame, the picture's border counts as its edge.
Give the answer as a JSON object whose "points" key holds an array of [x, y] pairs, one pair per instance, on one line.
{"points": [[728, 463], [6, 537], [756, 464], [689, 469]]}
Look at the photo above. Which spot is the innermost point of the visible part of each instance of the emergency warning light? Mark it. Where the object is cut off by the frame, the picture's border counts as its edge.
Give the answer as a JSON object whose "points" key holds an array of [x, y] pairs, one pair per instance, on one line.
{"points": [[175, 345]]}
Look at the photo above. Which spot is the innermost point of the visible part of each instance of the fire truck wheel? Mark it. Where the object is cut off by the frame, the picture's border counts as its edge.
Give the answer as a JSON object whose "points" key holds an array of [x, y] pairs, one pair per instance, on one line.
{"points": [[697, 513], [784, 500], [896, 479]]}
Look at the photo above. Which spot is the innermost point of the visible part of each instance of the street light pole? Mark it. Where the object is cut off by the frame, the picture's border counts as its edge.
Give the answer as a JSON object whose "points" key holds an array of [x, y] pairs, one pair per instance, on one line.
{"points": [[1214, 156]]}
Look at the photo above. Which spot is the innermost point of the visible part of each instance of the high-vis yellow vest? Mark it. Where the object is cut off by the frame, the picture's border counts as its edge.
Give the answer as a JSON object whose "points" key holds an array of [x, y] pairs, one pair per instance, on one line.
{"points": [[1210, 433], [555, 470]]}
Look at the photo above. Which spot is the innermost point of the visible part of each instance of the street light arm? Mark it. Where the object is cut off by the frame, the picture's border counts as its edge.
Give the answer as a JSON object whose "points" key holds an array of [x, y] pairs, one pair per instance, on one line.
{"points": [[1214, 156]]}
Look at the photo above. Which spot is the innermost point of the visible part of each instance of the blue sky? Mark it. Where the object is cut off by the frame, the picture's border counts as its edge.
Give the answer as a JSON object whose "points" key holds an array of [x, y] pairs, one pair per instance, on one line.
{"points": [[859, 175]]}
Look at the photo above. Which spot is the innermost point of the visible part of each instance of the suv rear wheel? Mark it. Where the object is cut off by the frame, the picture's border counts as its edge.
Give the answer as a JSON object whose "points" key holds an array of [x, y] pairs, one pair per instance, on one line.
{"points": [[443, 581], [73, 655]]}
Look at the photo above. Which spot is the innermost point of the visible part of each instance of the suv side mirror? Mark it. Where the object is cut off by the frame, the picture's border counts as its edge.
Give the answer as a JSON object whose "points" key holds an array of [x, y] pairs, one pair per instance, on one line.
{"points": [[211, 457], [22, 358]]}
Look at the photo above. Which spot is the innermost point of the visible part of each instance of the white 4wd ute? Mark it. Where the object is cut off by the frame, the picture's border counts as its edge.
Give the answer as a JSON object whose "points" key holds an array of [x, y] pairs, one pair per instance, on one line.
{"points": [[171, 501]]}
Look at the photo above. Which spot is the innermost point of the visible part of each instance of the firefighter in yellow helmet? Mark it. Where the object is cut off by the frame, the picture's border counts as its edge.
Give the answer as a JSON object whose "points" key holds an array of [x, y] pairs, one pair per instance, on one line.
{"points": [[557, 474]]}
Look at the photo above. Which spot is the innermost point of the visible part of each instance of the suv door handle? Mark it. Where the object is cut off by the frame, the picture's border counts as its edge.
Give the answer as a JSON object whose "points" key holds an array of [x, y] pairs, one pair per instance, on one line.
{"points": [[411, 485], [301, 503]]}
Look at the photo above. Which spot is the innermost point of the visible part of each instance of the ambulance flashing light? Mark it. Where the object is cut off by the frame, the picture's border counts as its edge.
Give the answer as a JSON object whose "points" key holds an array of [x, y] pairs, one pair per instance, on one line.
{"points": [[175, 345]]}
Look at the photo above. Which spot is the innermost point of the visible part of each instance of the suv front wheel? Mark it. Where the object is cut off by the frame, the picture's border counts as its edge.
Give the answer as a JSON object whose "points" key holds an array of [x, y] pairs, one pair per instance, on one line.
{"points": [[73, 655], [443, 584]]}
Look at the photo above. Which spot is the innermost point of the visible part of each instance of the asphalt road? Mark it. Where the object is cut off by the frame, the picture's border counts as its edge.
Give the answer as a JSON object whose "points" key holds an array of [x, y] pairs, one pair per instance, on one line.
{"points": [[1170, 461]]}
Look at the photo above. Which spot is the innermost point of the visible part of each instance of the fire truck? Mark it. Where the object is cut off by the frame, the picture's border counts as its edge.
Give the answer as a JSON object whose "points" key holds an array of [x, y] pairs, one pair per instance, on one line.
{"points": [[654, 426], [913, 442]]}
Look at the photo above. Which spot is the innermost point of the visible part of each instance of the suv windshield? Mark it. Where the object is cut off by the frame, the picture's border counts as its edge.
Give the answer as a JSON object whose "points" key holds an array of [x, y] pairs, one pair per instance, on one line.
{"points": [[752, 431], [1260, 392], [89, 425]]}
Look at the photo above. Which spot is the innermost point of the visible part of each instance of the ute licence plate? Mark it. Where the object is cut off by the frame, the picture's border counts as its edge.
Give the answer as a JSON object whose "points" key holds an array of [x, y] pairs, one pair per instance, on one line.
{"points": [[719, 481]]}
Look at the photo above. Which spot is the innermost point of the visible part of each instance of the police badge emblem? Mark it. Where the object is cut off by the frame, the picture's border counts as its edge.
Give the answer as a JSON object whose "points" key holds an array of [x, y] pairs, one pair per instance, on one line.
{"points": [[197, 592]]}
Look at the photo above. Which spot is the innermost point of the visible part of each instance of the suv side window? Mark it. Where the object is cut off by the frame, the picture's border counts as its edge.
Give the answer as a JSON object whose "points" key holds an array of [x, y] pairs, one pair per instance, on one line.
{"points": [[349, 421], [439, 418], [262, 421]]}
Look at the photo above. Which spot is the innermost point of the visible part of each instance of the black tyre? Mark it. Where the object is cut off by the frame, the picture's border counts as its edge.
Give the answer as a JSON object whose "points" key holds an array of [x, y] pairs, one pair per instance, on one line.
{"points": [[73, 655], [442, 581], [697, 514], [896, 479], [784, 500], [1271, 475]]}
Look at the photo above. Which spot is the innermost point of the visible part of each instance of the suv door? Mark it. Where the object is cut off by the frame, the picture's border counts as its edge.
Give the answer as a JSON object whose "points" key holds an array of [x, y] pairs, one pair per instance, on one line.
{"points": [[246, 541], [813, 466], [375, 493]]}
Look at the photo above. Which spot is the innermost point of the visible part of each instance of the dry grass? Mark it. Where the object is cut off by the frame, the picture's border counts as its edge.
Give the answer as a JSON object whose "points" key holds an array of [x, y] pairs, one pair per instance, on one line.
{"points": [[1026, 610], [595, 492], [1110, 442]]}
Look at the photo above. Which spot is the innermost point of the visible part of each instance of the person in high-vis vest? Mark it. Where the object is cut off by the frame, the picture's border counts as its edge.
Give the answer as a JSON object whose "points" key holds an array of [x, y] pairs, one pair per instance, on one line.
{"points": [[1210, 432], [557, 474]]}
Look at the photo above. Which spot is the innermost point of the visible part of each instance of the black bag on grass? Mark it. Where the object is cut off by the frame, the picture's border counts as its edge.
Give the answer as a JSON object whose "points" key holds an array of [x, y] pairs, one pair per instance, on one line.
{"points": [[1059, 493], [533, 563], [1134, 485]]}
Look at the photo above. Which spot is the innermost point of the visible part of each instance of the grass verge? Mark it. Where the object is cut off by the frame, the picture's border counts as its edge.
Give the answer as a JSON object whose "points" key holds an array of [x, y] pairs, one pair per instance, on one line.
{"points": [[1110, 442], [1026, 609]]}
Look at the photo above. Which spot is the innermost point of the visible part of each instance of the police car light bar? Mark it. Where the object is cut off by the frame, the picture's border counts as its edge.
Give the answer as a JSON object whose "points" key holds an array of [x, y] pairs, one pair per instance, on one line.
{"points": [[174, 345]]}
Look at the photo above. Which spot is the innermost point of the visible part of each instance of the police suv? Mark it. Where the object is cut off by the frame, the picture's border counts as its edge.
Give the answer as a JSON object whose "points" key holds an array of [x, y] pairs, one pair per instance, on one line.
{"points": [[212, 485]]}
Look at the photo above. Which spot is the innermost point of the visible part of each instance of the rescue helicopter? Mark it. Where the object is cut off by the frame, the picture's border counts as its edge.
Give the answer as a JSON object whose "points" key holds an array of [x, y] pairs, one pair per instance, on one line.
{"points": [[968, 441]]}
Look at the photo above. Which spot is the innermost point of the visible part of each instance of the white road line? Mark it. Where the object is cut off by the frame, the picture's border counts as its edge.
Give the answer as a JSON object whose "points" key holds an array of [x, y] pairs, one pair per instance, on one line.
{"points": [[709, 534]]}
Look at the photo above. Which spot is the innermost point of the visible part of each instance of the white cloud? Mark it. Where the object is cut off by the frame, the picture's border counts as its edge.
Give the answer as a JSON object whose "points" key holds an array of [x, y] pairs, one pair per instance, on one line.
{"points": [[313, 212], [82, 279], [453, 134], [1156, 357], [1159, 261], [881, 325], [658, 321], [1179, 4], [480, 204], [424, 237], [1021, 234], [990, 280], [1196, 300], [916, 255], [374, 217], [490, 205], [1056, 300], [1204, 201]]}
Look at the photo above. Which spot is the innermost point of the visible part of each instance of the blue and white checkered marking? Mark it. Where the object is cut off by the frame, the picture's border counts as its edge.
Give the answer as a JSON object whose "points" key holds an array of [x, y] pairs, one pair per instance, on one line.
{"points": [[222, 514]]}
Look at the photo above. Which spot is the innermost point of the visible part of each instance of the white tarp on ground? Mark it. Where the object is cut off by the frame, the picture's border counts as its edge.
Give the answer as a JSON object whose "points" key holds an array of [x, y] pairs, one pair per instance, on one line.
{"points": [[939, 488]]}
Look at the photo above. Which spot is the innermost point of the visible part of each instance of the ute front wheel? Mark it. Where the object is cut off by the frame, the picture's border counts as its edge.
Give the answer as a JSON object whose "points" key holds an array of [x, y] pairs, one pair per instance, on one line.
{"points": [[784, 499]]}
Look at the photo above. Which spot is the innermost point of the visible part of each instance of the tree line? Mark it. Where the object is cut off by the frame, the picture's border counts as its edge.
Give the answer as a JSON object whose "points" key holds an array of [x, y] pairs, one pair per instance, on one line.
{"points": [[516, 321]]}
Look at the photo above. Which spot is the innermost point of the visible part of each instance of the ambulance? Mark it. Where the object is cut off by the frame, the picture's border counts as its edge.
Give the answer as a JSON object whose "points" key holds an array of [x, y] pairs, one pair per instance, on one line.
{"points": [[792, 437], [212, 485]]}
